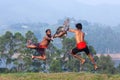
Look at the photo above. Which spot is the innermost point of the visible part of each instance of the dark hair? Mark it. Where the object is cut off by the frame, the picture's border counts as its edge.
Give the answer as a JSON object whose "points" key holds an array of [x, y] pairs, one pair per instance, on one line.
{"points": [[47, 30], [79, 26]]}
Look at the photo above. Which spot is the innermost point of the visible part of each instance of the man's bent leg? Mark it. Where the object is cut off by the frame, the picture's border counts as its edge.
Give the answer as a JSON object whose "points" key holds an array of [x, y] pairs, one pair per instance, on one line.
{"points": [[92, 60], [32, 46], [78, 57], [42, 54], [91, 57]]}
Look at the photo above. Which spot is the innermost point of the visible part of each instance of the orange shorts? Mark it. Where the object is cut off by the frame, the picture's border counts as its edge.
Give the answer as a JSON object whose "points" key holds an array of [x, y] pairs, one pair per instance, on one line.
{"points": [[81, 45]]}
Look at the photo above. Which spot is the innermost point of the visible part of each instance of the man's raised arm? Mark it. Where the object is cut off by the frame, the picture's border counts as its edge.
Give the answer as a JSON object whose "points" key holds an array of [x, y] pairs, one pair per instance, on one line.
{"points": [[49, 38], [71, 30]]}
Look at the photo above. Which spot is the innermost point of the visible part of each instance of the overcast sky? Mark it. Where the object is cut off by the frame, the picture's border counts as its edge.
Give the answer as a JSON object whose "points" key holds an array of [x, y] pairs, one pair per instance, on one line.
{"points": [[101, 11]]}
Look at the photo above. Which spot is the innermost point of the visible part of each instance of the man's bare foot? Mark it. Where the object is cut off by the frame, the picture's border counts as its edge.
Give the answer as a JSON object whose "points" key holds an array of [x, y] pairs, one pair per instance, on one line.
{"points": [[95, 67], [33, 57], [82, 61]]}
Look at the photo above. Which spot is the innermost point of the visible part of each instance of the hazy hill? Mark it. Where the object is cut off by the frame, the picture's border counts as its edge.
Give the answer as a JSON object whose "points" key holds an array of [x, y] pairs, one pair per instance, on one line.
{"points": [[116, 28]]}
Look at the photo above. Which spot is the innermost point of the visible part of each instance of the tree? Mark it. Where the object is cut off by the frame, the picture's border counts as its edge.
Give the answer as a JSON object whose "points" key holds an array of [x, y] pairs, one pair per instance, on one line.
{"points": [[7, 47], [30, 36], [69, 63], [56, 66], [106, 65], [28, 52], [19, 49], [118, 68]]}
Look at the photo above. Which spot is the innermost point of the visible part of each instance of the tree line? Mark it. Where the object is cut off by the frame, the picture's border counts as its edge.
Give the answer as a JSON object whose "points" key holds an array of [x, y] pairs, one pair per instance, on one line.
{"points": [[15, 57]]}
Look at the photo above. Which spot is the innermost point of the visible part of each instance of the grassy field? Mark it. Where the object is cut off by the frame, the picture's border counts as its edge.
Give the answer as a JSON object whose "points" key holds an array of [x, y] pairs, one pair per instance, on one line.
{"points": [[58, 76]]}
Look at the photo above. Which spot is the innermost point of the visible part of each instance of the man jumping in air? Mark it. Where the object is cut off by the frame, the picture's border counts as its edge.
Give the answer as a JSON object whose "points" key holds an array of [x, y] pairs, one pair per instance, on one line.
{"points": [[81, 45], [40, 47]]}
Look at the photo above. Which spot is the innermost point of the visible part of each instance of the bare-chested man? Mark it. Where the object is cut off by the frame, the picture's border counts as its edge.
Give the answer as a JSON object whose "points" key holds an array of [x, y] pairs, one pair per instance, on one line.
{"points": [[40, 47], [81, 45]]}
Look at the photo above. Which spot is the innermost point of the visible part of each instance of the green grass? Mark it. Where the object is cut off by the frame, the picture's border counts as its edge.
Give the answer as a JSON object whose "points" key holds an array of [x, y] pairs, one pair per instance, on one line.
{"points": [[58, 76]]}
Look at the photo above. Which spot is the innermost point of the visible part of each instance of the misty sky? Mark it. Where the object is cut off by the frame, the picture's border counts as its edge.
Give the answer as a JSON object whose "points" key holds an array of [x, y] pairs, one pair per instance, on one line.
{"points": [[101, 11]]}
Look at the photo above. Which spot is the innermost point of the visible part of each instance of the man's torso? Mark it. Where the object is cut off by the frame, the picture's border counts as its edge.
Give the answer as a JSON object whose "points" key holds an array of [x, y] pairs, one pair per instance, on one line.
{"points": [[45, 42], [79, 36]]}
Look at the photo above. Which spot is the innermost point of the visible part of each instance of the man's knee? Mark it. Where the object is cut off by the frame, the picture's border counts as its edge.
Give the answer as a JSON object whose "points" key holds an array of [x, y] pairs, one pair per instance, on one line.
{"points": [[73, 53], [44, 57]]}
